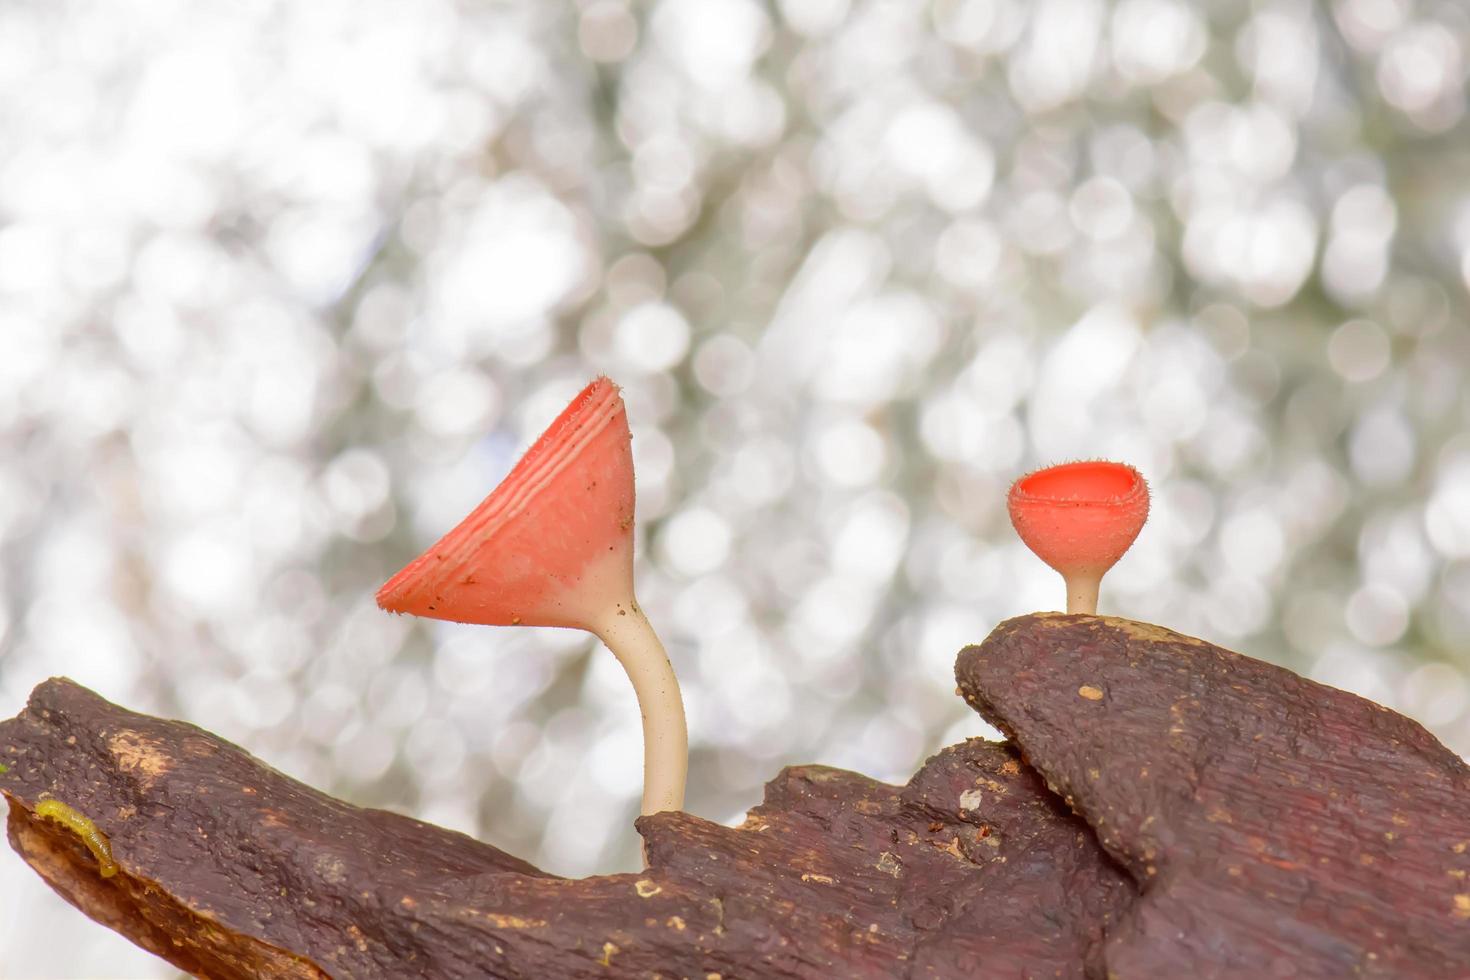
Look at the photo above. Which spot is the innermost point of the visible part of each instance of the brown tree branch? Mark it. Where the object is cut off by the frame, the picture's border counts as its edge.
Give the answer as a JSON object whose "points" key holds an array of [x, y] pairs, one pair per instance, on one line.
{"points": [[1276, 826], [230, 869], [1248, 822]]}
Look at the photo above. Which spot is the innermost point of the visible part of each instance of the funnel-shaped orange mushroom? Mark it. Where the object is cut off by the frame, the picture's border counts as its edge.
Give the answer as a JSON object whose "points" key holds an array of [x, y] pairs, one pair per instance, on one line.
{"points": [[553, 546], [1080, 518]]}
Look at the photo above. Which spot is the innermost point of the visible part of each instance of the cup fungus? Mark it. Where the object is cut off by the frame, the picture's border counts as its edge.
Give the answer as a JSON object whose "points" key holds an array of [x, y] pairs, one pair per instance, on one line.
{"points": [[553, 546], [1080, 518]]}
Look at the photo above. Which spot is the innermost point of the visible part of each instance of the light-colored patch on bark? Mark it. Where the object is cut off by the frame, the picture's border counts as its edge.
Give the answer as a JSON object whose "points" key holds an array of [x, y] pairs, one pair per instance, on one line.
{"points": [[330, 868], [139, 756], [1150, 633], [502, 921]]}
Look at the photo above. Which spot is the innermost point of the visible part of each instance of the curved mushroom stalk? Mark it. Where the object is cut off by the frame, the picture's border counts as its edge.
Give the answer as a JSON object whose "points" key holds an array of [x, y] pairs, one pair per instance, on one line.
{"points": [[630, 636], [1080, 518], [553, 546]]}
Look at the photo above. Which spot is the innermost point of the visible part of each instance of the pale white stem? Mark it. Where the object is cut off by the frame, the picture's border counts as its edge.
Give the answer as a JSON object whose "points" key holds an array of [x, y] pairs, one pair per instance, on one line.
{"points": [[631, 638], [1082, 593]]}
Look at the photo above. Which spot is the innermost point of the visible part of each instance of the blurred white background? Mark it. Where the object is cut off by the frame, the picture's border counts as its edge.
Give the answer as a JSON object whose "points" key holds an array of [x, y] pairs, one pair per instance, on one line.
{"points": [[285, 288]]}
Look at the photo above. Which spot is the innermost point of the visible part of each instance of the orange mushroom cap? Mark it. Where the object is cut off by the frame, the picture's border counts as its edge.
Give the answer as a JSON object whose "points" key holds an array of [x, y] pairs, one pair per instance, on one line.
{"points": [[1080, 518], [552, 544]]}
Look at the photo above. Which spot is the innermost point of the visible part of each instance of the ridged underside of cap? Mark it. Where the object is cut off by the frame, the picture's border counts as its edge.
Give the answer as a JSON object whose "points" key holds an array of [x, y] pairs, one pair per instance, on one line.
{"points": [[556, 529]]}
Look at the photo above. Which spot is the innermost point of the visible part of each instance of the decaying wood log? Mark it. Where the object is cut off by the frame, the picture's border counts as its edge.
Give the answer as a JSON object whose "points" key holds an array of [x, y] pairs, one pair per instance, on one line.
{"points": [[1276, 826], [1247, 823], [230, 869]]}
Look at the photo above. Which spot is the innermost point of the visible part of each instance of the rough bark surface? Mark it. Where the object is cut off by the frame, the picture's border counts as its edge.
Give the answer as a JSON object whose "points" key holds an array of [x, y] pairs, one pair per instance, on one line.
{"points": [[1231, 820], [230, 869], [1276, 826]]}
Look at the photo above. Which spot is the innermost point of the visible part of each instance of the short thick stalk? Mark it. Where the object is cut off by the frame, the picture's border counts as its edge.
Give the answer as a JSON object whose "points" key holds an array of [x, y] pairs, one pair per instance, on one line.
{"points": [[1082, 593], [627, 633]]}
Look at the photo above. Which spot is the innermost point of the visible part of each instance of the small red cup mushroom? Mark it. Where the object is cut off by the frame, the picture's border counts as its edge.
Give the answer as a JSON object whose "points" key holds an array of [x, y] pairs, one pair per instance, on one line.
{"points": [[553, 546], [1080, 518]]}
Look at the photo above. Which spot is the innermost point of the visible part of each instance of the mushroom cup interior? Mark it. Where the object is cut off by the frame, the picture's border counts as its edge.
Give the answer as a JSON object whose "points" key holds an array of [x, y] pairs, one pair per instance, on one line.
{"points": [[1098, 482]]}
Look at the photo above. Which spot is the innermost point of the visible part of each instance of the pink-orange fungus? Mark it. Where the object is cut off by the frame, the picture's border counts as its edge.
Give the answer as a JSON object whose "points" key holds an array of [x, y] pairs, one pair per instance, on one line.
{"points": [[552, 544], [1080, 518]]}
